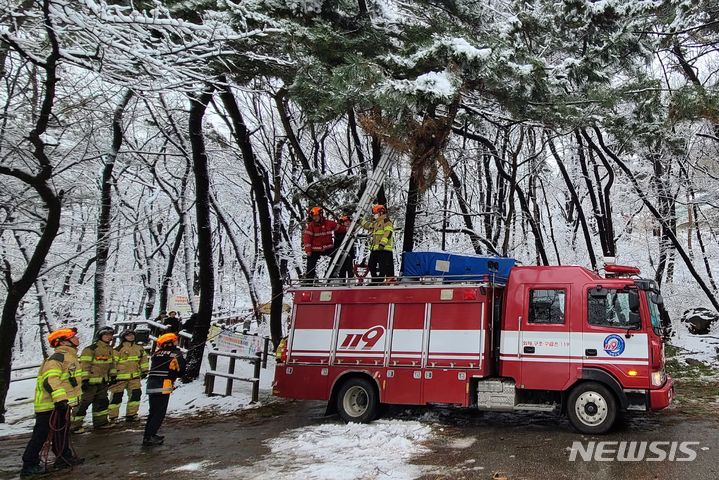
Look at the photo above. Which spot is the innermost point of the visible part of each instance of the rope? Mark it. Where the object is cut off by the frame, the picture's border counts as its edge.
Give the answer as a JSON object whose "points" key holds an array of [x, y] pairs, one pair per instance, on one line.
{"points": [[56, 432]]}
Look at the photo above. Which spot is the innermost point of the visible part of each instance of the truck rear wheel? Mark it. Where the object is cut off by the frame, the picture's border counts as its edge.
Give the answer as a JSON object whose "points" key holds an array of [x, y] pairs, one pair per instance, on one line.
{"points": [[357, 401], [592, 408]]}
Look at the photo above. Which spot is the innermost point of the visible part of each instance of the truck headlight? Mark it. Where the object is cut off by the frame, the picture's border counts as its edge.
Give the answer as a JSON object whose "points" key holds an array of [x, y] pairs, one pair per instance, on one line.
{"points": [[658, 378]]}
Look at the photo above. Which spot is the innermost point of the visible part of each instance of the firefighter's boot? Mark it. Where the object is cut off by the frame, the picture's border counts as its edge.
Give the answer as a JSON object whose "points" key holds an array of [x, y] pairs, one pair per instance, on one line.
{"points": [[33, 471]]}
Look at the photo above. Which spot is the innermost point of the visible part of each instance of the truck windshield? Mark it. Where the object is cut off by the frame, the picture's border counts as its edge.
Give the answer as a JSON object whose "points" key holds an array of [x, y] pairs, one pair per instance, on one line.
{"points": [[611, 308]]}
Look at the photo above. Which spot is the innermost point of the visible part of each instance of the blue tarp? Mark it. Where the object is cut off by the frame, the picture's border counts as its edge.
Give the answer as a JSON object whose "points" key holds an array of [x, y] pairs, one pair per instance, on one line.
{"points": [[456, 266]]}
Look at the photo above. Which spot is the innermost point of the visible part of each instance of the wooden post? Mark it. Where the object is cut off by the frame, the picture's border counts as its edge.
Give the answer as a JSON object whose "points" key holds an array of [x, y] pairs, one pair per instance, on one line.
{"points": [[210, 379], [266, 352], [228, 387], [256, 375]]}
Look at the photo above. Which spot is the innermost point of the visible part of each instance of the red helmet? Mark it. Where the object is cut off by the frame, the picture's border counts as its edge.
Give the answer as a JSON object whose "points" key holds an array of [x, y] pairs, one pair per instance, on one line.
{"points": [[315, 211], [378, 209]]}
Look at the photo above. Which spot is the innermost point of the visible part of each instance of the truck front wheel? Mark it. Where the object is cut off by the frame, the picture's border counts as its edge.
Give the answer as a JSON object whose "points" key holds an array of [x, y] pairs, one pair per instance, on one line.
{"points": [[592, 408], [357, 401]]}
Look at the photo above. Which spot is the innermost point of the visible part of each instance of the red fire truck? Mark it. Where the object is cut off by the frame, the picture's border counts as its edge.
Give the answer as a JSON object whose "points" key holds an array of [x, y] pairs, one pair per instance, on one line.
{"points": [[552, 339]]}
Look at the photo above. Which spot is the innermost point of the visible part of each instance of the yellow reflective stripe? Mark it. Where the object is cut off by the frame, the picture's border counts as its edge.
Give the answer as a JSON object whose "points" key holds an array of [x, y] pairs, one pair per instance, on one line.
{"points": [[124, 376], [131, 404], [44, 407], [58, 393], [99, 414], [53, 372], [86, 358]]}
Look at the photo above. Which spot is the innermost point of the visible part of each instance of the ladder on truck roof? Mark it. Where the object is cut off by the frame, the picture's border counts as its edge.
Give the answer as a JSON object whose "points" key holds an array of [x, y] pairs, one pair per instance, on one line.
{"points": [[374, 182]]}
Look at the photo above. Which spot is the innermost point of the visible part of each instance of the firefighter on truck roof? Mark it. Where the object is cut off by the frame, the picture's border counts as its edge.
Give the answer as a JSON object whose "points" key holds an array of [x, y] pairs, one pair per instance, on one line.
{"points": [[57, 391], [132, 365], [381, 259], [318, 239], [98, 365]]}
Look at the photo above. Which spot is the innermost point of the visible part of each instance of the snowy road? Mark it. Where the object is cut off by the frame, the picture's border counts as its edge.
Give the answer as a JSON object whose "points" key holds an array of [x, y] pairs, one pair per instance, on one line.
{"points": [[294, 441]]}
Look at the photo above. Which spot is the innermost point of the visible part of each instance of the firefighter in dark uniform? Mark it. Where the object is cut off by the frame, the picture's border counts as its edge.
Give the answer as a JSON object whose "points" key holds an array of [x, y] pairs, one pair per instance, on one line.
{"points": [[346, 268], [99, 370], [166, 365], [57, 391]]}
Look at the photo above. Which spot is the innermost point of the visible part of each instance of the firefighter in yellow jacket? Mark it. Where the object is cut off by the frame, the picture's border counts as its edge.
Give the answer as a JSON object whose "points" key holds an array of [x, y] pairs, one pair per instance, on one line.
{"points": [[99, 372], [132, 365], [57, 391], [381, 259]]}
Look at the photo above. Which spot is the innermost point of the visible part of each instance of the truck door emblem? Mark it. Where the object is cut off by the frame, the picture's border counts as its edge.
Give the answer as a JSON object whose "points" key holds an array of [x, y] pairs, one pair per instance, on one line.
{"points": [[614, 345], [370, 338]]}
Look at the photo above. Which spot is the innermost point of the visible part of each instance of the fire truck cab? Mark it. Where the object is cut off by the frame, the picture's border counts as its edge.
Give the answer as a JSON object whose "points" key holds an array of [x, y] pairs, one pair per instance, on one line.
{"points": [[554, 339]]}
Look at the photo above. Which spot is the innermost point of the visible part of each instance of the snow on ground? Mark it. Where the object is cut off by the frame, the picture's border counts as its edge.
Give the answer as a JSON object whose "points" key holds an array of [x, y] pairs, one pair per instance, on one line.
{"points": [[380, 450], [191, 467], [704, 348], [187, 398]]}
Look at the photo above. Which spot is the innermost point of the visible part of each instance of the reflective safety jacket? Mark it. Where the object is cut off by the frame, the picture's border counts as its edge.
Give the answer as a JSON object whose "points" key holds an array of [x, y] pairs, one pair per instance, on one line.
{"points": [[98, 362], [317, 236], [382, 232], [59, 379], [166, 366], [131, 360]]}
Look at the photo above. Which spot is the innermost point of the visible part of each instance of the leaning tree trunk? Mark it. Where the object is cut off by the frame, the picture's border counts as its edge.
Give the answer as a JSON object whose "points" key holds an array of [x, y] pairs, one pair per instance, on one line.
{"points": [[198, 106], [41, 183], [222, 219], [259, 191], [675, 241], [577, 203], [172, 257], [103, 224]]}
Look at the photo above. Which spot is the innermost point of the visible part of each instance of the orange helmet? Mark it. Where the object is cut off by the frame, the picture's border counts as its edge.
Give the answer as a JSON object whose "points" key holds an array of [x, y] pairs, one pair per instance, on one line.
{"points": [[378, 209], [165, 338], [315, 211], [344, 218], [54, 338]]}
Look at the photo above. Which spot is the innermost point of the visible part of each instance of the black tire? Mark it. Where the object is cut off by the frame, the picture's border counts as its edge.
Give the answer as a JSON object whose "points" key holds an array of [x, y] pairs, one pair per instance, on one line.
{"points": [[592, 408], [357, 401]]}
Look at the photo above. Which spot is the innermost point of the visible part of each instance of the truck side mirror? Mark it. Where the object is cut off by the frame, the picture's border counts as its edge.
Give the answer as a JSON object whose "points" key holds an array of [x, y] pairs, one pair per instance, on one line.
{"points": [[657, 298]]}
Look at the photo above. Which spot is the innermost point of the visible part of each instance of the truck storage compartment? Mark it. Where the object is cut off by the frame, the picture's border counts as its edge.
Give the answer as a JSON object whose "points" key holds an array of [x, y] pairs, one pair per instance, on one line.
{"points": [[311, 339]]}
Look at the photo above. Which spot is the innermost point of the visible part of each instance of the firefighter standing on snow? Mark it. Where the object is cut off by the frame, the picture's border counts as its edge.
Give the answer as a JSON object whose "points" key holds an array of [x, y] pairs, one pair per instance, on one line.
{"points": [[381, 260], [57, 391], [98, 365], [167, 364], [132, 364], [318, 239]]}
